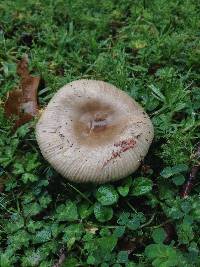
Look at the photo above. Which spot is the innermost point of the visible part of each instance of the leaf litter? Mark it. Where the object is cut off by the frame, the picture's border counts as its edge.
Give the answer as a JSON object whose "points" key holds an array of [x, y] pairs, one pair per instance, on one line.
{"points": [[21, 103]]}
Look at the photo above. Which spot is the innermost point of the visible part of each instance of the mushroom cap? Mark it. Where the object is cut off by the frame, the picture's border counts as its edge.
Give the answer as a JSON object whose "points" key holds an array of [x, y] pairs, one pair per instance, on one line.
{"points": [[93, 132]]}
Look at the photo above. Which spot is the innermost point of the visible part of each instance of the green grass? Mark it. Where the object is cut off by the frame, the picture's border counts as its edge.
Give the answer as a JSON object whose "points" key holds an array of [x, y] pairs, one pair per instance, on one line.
{"points": [[150, 49]]}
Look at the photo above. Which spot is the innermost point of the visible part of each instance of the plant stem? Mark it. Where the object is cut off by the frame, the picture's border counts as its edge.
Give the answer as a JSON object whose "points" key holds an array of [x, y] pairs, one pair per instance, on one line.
{"points": [[130, 206], [80, 193], [149, 222], [160, 225]]}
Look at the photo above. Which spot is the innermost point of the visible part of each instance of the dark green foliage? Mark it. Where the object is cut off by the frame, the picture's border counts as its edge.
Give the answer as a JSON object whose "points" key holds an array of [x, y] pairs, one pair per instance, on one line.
{"points": [[151, 50]]}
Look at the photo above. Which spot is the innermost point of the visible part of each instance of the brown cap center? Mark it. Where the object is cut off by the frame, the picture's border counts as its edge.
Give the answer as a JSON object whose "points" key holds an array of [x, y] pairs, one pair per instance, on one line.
{"points": [[96, 124]]}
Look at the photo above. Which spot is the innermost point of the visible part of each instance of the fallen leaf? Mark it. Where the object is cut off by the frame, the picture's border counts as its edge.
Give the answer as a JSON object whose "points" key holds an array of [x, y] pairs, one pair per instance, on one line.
{"points": [[22, 102], [91, 229]]}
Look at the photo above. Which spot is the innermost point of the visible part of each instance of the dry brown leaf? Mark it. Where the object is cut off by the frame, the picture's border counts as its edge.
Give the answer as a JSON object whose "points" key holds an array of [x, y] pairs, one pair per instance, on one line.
{"points": [[22, 102]]}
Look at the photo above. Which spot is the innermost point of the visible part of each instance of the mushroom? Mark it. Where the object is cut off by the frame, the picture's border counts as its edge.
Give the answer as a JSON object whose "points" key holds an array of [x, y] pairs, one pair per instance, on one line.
{"points": [[93, 132]]}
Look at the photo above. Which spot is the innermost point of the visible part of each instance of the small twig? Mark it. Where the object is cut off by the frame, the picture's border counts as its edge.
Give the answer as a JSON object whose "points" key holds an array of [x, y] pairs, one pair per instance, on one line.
{"points": [[137, 255], [149, 221], [80, 193], [190, 182], [130, 206], [192, 176], [160, 225]]}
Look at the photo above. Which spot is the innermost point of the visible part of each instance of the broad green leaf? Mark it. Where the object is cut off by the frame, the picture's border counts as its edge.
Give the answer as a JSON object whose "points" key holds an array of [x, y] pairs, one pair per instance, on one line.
{"points": [[119, 231], [141, 186], [116, 265], [10, 184], [104, 232], [29, 177], [173, 212], [185, 232], [50, 247], [18, 168], [32, 162], [123, 218], [23, 130], [186, 206], [7, 259], [132, 264], [122, 257], [67, 212], [195, 212], [166, 172], [91, 260], [131, 220], [162, 255], [107, 243], [32, 258], [179, 168], [135, 220], [32, 226], [20, 239], [15, 223], [124, 188], [104, 265], [28, 197], [31, 209], [42, 236], [73, 231], [88, 236], [102, 213], [133, 223], [85, 210], [45, 200], [159, 235], [56, 228], [106, 195], [178, 179], [70, 262], [170, 171]]}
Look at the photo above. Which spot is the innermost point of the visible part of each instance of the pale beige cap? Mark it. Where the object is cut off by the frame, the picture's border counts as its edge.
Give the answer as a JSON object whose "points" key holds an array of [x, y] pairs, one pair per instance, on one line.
{"points": [[93, 132]]}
